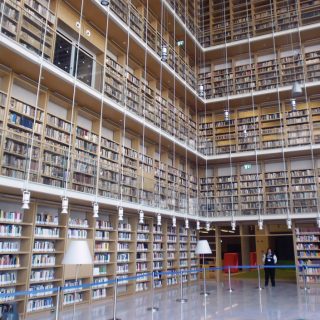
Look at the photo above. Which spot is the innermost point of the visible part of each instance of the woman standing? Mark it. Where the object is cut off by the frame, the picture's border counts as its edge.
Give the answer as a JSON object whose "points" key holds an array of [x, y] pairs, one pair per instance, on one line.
{"points": [[269, 259]]}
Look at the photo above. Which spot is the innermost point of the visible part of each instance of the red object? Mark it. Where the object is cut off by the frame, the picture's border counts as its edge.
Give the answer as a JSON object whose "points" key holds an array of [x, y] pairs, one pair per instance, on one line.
{"points": [[232, 260], [253, 259]]}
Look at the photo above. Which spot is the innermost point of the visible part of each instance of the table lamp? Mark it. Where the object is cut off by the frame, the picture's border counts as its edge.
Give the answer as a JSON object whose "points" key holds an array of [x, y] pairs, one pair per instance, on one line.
{"points": [[203, 248], [78, 253]]}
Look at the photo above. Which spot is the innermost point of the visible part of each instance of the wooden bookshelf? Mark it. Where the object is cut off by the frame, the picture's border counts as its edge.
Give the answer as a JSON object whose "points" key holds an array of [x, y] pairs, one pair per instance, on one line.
{"points": [[271, 187], [46, 260], [306, 242], [230, 19]]}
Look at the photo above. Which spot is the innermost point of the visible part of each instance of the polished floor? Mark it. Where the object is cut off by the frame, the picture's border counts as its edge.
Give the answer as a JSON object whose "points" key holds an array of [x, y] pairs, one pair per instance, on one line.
{"points": [[286, 301]]}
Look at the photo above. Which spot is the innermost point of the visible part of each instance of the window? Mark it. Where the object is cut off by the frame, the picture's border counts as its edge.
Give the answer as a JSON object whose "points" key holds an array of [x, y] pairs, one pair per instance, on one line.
{"points": [[65, 57]]}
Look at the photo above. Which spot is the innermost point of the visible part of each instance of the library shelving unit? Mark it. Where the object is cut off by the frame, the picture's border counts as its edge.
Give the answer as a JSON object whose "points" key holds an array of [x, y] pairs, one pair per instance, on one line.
{"points": [[105, 248], [193, 258], [230, 19], [144, 259], [172, 252], [183, 254], [15, 248], [126, 248], [47, 253], [158, 254], [266, 186], [307, 253], [269, 126]]}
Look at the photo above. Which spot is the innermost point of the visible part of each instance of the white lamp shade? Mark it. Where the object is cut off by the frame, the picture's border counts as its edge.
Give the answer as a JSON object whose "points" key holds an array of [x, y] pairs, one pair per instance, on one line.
{"points": [[78, 253], [203, 247]]}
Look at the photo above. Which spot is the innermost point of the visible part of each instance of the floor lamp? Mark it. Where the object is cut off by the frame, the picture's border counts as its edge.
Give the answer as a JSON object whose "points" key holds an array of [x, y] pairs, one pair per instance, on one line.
{"points": [[78, 253], [203, 248]]}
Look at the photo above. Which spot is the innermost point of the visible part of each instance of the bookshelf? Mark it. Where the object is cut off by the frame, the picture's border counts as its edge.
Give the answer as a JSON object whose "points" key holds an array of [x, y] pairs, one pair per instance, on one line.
{"points": [[306, 241], [183, 255], [172, 251], [144, 258], [46, 259], [15, 248], [229, 19], [126, 246], [273, 187], [158, 255], [105, 248]]}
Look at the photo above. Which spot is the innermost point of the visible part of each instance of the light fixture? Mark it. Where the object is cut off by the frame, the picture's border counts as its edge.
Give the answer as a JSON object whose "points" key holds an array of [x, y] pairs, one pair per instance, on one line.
{"points": [[174, 221], [65, 205], [289, 223], [141, 217], [203, 248], [296, 90], [245, 133], [226, 115], [164, 53], [198, 225], [233, 225], [104, 2], [318, 222], [159, 219], [25, 199], [95, 209], [180, 43], [120, 213], [78, 254], [293, 103], [187, 223], [260, 224], [201, 90], [208, 226]]}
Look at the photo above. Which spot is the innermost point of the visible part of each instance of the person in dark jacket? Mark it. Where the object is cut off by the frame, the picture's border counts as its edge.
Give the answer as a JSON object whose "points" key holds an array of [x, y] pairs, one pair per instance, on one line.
{"points": [[269, 259]]}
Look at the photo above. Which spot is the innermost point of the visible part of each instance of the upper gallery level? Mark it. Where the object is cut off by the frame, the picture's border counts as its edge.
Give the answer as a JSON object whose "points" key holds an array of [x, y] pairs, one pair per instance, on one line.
{"points": [[133, 74], [216, 22]]}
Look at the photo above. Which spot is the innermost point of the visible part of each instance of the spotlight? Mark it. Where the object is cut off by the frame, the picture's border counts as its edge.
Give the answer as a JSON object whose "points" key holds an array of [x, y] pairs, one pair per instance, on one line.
{"points": [[65, 205], [201, 90], [260, 224], [226, 115], [174, 221], [293, 104], [208, 226], [120, 214], [141, 217], [95, 210], [198, 225], [245, 133], [159, 219], [289, 223], [296, 90], [164, 53], [104, 2], [187, 223], [25, 199], [233, 225]]}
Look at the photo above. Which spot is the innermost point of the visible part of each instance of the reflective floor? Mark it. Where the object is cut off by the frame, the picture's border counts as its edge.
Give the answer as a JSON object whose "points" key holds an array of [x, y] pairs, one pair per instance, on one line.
{"points": [[286, 301]]}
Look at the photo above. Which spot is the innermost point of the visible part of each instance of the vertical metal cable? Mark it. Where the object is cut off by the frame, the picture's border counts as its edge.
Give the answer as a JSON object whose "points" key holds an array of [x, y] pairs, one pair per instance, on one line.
{"points": [[36, 107], [144, 101], [160, 103], [228, 110], [73, 101], [125, 103], [254, 117], [281, 117], [310, 124], [104, 69]]}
